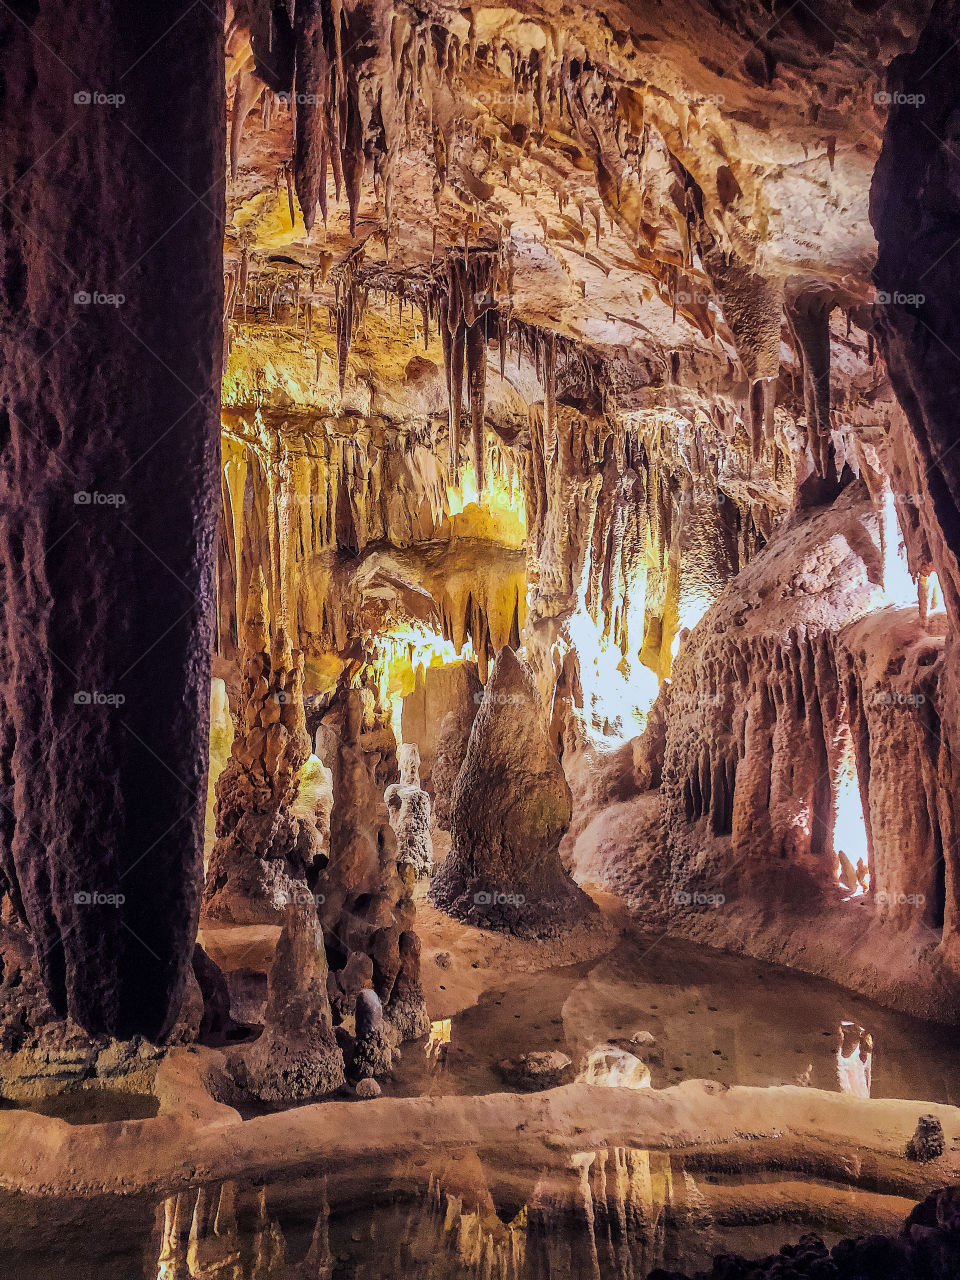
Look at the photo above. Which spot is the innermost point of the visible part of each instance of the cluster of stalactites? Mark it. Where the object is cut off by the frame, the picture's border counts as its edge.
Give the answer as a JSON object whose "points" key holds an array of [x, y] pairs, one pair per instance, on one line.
{"points": [[285, 296], [334, 44], [468, 302], [465, 299]]}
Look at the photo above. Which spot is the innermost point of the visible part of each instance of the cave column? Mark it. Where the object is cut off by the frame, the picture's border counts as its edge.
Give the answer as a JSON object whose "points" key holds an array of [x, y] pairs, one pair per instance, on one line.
{"points": [[915, 212], [111, 242]]}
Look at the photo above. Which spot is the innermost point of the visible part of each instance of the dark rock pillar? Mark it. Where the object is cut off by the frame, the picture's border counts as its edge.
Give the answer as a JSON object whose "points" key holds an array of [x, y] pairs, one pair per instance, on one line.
{"points": [[111, 235], [915, 211]]}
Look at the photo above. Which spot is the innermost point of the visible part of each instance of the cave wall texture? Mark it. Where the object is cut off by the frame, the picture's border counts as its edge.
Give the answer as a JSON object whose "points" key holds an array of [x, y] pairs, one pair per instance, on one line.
{"points": [[110, 354]]}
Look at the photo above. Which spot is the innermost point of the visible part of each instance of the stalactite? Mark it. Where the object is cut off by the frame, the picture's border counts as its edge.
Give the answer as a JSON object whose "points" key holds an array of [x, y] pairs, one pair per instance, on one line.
{"points": [[476, 356], [809, 319], [549, 396], [249, 87]]}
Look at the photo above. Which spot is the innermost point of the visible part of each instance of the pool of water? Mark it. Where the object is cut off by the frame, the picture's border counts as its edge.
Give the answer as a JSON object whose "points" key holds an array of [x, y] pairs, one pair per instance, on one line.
{"points": [[605, 1215], [610, 1216], [712, 1016]]}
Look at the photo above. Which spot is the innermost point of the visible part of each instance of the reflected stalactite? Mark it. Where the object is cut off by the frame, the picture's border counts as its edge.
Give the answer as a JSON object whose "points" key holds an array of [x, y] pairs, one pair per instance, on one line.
{"points": [[855, 1060], [609, 1213]]}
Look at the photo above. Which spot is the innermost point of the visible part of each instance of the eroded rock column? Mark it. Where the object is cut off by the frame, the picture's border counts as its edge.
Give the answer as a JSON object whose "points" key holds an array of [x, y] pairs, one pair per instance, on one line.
{"points": [[264, 851], [111, 236], [511, 807]]}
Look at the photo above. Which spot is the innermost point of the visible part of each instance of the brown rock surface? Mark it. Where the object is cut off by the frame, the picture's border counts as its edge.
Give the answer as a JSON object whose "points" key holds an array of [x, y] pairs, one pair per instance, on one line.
{"points": [[409, 808], [111, 228], [264, 851], [365, 895], [297, 1056], [511, 807]]}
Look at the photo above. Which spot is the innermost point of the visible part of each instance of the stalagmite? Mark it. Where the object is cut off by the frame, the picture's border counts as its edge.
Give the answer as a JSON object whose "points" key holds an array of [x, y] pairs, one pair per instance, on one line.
{"points": [[511, 806], [297, 1056], [367, 905], [409, 807]]}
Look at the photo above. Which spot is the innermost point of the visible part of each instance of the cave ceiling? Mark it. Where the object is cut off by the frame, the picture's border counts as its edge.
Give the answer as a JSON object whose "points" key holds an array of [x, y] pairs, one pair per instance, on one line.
{"points": [[649, 183]]}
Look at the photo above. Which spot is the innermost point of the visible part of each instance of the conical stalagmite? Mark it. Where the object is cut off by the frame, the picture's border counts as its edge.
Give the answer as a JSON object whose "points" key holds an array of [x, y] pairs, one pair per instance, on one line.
{"points": [[297, 1056], [511, 807]]}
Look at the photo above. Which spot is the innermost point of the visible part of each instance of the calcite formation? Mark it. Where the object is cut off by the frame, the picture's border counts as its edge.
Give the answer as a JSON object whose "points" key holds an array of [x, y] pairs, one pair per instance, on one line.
{"points": [[799, 756], [108, 475], [511, 807], [364, 893], [451, 690], [297, 1056], [264, 851], [372, 1051], [452, 743], [409, 807], [586, 380]]}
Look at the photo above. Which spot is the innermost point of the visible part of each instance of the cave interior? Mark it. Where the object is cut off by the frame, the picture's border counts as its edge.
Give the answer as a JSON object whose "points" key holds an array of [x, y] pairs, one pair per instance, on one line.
{"points": [[479, 522]]}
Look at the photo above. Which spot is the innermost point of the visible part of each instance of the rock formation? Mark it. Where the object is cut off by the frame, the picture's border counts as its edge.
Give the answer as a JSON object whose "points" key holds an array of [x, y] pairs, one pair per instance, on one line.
{"points": [[451, 750], [372, 1053], [409, 808], [441, 692], [297, 1056], [927, 1142], [625, 339], [221, 740], [264, 852], [108, 489], [365, 898], [511, 807], [801, 735], [927, 1248]]}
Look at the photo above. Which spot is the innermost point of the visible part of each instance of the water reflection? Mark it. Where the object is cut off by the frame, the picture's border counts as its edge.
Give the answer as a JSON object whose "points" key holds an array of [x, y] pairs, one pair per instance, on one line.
{"points": [[686, 1014], [600, 1215], [855, 1060]]}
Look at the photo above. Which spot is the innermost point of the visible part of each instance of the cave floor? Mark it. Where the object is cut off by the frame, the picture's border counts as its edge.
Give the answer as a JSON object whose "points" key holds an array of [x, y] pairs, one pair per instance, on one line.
{"points": [[725, 1151], [712, 1016]]}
